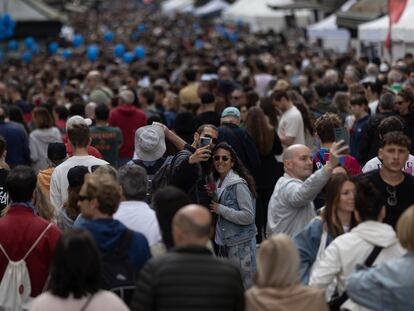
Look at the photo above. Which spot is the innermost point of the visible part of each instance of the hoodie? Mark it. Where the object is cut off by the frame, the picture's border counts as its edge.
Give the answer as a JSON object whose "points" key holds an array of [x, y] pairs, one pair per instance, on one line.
{"points": [[128, 118], [107, 234], [295, 297], [342, 256], [39, 139]]}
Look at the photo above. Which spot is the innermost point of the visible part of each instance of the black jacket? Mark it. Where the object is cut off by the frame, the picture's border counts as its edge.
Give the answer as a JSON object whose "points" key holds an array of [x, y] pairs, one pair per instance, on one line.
{"points": [[191, 178], [188, 278], [242, 144]]}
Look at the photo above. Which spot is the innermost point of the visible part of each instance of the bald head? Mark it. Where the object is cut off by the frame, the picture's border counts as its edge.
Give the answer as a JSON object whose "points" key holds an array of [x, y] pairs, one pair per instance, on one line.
{"points": [[297, 161], [191, 225], [293, 150]]}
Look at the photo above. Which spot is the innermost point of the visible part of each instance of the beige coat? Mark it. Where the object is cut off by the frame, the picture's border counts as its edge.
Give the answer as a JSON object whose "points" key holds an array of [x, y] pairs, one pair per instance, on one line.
{"points": [[297, 297]]}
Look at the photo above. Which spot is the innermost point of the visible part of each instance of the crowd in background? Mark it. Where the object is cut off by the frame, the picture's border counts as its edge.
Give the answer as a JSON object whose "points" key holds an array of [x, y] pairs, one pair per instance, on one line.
{"points": [[292, 163]]}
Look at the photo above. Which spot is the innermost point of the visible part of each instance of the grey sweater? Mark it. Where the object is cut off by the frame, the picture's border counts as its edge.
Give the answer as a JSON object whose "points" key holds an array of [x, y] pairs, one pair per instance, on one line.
{"points": [[291, 207]]}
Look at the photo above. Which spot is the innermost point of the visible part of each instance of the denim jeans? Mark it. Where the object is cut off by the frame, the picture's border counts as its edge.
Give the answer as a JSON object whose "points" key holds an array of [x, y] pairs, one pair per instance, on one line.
{"points": [[244, 257]]}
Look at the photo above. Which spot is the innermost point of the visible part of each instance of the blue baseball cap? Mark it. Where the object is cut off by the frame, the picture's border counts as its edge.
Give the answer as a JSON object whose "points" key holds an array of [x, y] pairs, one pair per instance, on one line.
{"points": [[231, 112]]}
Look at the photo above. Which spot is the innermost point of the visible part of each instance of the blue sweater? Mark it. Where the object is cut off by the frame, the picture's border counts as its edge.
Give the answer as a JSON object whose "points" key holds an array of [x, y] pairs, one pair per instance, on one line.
{"points": [[388, 286], [107, 233]]}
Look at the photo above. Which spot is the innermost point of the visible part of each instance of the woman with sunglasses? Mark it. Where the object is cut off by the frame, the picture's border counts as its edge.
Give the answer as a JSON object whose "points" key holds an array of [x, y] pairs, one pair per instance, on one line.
{"points": [[235, 229]]}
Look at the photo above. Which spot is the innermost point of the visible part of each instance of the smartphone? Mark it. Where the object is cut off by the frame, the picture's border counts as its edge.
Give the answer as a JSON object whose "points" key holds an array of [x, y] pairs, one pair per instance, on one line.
{"points": [[204, 141], [341, 133]]}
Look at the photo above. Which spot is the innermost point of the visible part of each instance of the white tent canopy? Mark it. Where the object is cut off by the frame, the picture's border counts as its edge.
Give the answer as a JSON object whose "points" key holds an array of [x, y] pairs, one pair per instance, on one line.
{"points": [[260, 17], [172, 6], [377, 30], [29, 10], [333, 37], [211, 7]]}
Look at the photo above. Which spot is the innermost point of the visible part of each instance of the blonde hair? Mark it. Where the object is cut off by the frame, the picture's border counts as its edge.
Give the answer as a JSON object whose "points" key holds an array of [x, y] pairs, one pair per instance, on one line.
{"points": [[405, 229], [277, 262], [106, 170], [105, 189]]}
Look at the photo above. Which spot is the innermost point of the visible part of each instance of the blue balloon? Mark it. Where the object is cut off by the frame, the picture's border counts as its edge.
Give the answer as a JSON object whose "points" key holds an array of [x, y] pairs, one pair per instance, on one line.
{"points": [[199, 44], [8, 33], [119, 50], [77, 40], [128, 57], [233, 37], [139, 52], [67, 53], [53, 47], [29, 42], [92, 53], [12, 45], [6, 20], [141, 27], [27, 56], [108, 36]]}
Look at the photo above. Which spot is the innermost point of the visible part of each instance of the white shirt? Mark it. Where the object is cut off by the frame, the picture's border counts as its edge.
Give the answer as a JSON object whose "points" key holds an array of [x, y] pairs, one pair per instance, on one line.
{"points": [[59, 180], [138, 216], [291, 125], [375, 164]]}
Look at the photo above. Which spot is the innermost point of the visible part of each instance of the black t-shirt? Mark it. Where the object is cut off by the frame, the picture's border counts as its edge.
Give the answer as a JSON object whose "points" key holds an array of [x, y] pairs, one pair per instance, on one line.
{"points": [[403, 193]]}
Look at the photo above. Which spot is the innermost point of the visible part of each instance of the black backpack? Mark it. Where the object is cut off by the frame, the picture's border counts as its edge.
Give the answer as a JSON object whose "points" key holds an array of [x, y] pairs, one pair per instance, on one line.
{"points": [[118, 273], [151, 171], [163, 176]]}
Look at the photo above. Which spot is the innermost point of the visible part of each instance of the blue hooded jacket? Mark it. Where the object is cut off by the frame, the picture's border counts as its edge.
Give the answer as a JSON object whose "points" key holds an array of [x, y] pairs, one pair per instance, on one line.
{"points": [[107, 233]]}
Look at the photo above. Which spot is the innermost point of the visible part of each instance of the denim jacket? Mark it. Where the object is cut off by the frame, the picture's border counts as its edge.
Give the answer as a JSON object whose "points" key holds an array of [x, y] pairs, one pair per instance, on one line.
{"points": [[236, 211]]}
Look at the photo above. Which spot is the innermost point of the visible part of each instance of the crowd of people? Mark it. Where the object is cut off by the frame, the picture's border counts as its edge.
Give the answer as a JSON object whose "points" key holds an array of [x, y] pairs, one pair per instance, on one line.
{"points": [[223, 170]]}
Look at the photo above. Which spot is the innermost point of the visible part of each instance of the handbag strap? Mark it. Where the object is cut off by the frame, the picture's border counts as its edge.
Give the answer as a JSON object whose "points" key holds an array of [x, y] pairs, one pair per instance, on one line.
{"points": [[368, 263], [372, 256], [88, 301]]}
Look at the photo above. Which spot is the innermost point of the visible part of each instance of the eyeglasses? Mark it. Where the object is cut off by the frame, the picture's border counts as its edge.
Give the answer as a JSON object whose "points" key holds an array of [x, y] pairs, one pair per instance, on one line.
{"points": [[82, 198], [213, 140], [392, 199], [223, 158], [235, 97]]}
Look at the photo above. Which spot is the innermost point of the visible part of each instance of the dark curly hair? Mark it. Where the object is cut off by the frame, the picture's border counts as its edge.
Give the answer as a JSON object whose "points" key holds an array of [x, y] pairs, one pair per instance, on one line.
{"points": [[238, 167]]}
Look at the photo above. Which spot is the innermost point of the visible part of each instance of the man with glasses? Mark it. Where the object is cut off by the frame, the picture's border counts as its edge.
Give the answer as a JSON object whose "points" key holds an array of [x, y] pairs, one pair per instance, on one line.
{"points": [[192, 166], [98, 201], [395, 185]]}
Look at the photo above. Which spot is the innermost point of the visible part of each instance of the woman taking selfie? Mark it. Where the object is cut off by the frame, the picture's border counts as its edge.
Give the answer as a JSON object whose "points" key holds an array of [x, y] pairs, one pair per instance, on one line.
{"points": [[235, 207]]}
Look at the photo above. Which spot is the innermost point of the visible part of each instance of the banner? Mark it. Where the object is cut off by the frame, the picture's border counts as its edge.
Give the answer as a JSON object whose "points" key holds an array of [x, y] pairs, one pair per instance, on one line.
{"points": [[395, 10]]}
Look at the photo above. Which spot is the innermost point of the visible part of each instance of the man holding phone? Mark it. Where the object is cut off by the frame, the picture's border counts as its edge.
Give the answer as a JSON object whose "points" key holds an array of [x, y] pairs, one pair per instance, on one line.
{"points": [[192, 166]]}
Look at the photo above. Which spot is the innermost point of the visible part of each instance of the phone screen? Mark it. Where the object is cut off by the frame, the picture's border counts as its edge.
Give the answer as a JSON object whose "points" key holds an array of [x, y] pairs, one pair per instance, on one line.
{"points": [[204, 141], [342, 134]]}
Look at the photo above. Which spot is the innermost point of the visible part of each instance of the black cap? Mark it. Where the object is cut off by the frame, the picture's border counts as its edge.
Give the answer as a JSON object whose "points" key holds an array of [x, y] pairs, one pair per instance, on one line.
{"points": [[56, 151], [207, 98], [76, 175]]}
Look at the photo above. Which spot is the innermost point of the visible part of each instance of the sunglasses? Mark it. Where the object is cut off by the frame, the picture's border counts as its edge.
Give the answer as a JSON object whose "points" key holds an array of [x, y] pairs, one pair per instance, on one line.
{"points": [[223, 158], [235, 97], [399, 102], [82, 198]]}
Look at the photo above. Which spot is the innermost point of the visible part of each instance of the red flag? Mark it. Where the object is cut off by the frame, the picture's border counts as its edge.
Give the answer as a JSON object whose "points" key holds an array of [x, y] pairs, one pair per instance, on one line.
{"points": [[395, 10]]}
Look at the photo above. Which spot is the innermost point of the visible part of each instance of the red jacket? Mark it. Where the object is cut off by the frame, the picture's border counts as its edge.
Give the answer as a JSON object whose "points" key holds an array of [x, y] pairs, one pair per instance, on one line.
{"points": [[19, 229], [128, 118]]}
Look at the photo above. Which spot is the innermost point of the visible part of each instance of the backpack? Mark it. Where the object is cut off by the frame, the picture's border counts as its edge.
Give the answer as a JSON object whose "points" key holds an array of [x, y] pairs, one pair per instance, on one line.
{"points": [[163, 177], [15, 286], [151, 171], [118, 272]]}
